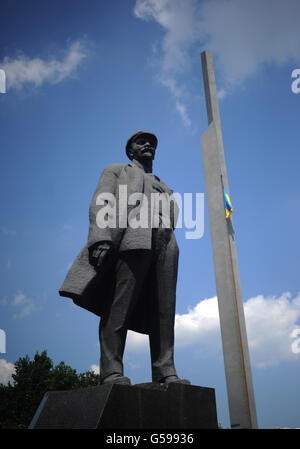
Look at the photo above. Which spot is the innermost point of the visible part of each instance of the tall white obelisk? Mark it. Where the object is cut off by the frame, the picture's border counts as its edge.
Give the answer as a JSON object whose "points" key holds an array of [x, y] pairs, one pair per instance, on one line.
{"points": [[232, 320]]}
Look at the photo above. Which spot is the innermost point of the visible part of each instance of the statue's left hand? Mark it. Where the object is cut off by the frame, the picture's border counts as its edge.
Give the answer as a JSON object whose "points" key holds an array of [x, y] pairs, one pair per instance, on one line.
{"points": [[100, 255]]}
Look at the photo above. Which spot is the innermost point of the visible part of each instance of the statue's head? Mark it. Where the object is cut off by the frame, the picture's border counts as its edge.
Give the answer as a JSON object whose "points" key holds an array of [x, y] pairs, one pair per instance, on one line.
{"points": [[141, 146]]}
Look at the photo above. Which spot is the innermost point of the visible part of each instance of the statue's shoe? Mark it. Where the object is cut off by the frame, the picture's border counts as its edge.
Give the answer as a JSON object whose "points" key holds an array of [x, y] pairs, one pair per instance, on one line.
{"points": [[174, 379], [116, 379]]}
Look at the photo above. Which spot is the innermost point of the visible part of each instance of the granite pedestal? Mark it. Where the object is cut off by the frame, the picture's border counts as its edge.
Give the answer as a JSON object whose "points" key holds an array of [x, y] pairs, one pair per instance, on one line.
{"points": [[142, 406]]}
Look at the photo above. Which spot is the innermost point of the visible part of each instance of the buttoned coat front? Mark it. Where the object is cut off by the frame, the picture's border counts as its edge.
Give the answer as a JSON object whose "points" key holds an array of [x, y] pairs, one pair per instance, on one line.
{"points": [[89, 288]]}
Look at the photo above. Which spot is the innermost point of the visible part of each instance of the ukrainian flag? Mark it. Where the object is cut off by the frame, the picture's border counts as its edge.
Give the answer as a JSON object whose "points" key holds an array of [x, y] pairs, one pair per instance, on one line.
{"points": [[228, 206]]}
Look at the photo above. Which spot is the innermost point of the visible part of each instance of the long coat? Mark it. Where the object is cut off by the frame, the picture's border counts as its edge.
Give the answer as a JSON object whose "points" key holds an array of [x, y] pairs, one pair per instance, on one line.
{"points": [[92, 289]]}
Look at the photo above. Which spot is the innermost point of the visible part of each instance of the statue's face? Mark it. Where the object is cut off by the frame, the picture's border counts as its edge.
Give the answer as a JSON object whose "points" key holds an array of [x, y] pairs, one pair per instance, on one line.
{"points": [[143, 149]]}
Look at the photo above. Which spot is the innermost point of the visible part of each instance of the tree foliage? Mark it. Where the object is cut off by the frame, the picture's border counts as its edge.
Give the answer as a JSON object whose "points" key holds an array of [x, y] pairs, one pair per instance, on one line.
{"points": [[20, 399]]}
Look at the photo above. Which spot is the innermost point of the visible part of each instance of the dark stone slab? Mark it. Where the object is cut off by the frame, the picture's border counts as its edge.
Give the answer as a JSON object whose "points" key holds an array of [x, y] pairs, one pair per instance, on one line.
{"points": [[142, 406]]}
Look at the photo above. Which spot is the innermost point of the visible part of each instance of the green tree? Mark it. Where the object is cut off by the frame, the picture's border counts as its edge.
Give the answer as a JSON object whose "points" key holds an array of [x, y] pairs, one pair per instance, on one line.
{"points": [[32, 379]]}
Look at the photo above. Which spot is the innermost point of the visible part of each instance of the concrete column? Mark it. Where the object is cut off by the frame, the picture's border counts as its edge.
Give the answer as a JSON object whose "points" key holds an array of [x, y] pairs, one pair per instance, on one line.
{"points": [[232, 320]]}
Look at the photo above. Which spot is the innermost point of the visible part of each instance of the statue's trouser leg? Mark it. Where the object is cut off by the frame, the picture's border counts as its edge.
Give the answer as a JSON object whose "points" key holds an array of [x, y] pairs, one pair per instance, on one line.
{"points": [[164, 280], [131, 270]]}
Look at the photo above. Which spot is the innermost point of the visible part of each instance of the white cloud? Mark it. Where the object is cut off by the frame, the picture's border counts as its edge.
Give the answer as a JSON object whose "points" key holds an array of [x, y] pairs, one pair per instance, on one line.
{"points": [[271, 324], [243, 36], [181, 108], [23, 70], [6, 371], [199, 325], [95, 369], [137, 342], [67, 227], [178, 18], [7, 231], [4, 301], [19, 298], [24, 304]]}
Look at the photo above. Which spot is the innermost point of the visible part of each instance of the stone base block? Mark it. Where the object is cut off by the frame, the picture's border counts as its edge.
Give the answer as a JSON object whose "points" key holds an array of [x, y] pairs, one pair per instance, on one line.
{"points": [[141, 406]]}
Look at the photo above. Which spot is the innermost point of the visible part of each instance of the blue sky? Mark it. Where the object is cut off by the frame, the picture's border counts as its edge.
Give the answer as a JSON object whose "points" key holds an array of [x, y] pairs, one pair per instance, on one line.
{"points": [[81, 77]]}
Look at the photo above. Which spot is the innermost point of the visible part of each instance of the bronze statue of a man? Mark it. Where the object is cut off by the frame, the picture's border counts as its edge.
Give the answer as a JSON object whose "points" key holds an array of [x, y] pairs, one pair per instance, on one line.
{"points": [[127, 274]]}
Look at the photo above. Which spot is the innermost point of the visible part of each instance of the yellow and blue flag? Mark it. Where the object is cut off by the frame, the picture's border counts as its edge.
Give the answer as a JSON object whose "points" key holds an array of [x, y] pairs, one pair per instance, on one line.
{"points": [[228, 206]]}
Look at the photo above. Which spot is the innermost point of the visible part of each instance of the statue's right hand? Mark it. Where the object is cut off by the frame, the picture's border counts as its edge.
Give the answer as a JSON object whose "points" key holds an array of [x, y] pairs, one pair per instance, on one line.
{"points": [[100, 254]]}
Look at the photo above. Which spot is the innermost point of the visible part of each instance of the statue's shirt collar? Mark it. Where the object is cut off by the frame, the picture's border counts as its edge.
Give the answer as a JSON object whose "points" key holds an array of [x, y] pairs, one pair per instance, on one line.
{"points": [[137, 164]]}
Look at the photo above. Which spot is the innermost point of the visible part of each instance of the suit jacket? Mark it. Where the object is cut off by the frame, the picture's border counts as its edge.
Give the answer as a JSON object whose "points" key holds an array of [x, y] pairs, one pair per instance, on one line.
{"points": [[87, 287]]}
